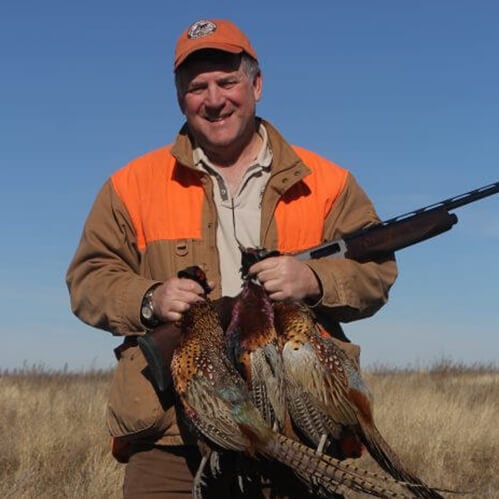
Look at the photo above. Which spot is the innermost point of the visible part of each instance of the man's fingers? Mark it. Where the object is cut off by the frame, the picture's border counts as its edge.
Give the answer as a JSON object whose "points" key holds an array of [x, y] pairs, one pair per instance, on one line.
{"points": [[173, 316], [263, 266]]}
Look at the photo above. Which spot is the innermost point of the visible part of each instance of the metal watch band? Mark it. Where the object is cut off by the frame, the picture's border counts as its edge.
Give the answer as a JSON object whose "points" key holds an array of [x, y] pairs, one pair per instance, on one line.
{"points": [[147, 313]]}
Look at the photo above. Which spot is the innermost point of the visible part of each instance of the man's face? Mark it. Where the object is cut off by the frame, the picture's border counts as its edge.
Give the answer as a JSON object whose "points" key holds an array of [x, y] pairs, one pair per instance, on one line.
{"points": [[219, 102]]}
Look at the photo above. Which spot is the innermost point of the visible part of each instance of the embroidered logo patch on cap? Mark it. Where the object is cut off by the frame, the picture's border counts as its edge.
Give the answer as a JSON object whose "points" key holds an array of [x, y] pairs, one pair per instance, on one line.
{"points": [[201, 28]]}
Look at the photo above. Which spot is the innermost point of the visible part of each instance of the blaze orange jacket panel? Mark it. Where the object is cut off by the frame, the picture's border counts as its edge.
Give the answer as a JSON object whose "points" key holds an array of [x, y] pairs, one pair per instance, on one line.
{"points": [[303, 209], [165, 200]]}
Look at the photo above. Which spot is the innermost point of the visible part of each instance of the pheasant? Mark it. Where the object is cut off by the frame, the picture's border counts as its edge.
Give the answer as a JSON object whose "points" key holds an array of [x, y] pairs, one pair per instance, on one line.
{"points": [[327, 395], [252, 346], [216, 402]]}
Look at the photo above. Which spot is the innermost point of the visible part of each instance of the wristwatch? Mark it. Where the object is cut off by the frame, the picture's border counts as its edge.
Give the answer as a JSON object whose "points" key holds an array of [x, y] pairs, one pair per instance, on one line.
{"points": [[147, 313]]}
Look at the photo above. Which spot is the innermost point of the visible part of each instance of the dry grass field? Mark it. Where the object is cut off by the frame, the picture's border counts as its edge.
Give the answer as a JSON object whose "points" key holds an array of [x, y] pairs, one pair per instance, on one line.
{"points": [[444, 422]]}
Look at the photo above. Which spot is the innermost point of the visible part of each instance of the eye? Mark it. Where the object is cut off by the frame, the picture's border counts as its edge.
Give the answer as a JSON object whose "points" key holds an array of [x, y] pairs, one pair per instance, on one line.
{"points": [[228, 83], [195, 89]]}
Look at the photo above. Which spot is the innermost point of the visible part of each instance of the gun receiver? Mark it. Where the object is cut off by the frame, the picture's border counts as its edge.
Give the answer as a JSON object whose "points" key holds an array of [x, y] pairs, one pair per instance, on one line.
{"points": [[399, 232]]}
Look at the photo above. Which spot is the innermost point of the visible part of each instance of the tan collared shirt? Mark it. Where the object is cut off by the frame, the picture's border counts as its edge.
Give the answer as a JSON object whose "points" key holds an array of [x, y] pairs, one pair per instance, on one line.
{"points": [[238, 216]]}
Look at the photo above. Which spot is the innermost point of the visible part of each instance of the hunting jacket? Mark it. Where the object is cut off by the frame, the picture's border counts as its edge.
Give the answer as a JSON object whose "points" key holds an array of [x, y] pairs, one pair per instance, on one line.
{"points": [[156, 216]]}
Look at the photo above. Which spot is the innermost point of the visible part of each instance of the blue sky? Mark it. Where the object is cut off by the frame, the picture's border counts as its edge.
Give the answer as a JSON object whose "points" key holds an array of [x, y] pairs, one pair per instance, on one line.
{"points": [[404, 94]]}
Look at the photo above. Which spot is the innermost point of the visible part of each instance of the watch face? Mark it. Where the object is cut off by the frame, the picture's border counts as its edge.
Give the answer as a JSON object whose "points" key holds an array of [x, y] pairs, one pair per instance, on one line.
{"points": [[147, 313]]}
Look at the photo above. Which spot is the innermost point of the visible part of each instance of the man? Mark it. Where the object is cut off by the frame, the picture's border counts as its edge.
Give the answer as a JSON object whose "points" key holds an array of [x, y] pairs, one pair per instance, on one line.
{"points": [[229, 179]]}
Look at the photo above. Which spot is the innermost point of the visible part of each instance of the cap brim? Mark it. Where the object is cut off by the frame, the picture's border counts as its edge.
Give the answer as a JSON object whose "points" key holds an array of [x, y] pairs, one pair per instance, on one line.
{"points": [[224, 47]]}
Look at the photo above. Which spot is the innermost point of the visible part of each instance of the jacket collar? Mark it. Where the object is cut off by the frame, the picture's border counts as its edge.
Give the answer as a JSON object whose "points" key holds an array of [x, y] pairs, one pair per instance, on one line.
{"points": [[284, 157]]}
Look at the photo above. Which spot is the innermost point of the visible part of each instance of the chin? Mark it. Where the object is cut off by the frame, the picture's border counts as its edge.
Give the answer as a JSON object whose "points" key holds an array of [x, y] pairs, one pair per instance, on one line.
{"points": [[218, 140]]}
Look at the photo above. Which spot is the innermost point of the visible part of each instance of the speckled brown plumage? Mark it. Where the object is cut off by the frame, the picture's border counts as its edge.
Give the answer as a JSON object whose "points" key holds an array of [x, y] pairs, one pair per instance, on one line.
{"points": [[217, 403], [327, 395]]}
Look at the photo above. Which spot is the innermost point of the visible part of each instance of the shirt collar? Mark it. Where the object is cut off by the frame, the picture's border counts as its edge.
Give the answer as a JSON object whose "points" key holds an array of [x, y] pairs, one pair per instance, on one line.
{"points": [[263, 158]]}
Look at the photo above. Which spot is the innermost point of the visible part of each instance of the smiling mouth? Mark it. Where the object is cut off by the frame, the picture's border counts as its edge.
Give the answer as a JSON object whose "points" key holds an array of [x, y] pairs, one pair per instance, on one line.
{"points": [[217, 119]]}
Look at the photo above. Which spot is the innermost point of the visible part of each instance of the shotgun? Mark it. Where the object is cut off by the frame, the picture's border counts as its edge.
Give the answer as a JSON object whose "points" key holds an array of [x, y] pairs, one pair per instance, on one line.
{"points": [[382, 239], [372, 243]]}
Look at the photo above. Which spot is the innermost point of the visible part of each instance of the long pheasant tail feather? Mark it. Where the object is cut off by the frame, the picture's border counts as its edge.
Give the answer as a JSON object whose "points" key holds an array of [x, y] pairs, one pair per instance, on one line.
{"points": [[381, 451], [385, 456], [324, 472]]}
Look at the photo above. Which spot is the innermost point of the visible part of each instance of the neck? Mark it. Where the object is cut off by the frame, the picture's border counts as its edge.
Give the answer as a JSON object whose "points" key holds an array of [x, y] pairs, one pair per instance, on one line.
{"points": [[233, 168], [237, 155]]}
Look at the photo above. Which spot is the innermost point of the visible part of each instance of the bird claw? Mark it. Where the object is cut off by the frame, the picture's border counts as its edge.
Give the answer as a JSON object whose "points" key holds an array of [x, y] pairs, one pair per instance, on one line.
{"points": [[199, 482], [215, 466], [322, 444], [197, 492]]}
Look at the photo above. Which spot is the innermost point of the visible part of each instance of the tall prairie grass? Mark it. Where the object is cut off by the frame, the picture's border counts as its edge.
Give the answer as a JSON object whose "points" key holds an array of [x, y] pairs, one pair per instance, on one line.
{"points": [[54, 443], [443, 422]]}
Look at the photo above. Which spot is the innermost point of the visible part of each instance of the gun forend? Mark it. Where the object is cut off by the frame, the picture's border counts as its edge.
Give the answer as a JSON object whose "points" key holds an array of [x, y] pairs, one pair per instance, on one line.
{"points": [[381, 240]]}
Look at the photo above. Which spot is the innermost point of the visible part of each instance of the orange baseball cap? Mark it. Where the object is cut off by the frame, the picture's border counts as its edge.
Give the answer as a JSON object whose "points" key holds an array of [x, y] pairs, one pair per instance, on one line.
{"points": [[216, 34]]}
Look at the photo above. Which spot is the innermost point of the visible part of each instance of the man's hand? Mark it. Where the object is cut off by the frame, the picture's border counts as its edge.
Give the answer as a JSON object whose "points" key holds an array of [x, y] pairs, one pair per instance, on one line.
{"points": [[175, 296], [286, 278]]}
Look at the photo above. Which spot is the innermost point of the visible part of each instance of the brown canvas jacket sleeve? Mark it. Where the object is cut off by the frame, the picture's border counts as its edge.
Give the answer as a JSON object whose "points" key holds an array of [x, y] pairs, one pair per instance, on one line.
{"points": [[103, 278], [352, 290]]}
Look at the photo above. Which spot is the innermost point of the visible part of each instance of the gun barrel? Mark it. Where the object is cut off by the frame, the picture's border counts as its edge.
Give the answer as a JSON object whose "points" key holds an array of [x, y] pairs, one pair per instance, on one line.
{"points": [[453, 202]]}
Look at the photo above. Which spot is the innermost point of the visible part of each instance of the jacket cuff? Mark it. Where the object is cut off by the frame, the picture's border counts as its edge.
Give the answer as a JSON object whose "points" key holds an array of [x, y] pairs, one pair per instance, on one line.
{"points": [[130, 303], [334, 282], [317, 301]]}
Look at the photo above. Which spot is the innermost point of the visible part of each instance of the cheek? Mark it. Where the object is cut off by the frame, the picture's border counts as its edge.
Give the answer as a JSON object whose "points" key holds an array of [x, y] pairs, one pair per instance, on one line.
{"points": [[191, 105], [245, 102]]}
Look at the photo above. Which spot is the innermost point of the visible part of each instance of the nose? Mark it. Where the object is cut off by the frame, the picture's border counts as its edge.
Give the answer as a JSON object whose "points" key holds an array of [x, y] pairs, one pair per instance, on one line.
{"points": [[214, 98]]}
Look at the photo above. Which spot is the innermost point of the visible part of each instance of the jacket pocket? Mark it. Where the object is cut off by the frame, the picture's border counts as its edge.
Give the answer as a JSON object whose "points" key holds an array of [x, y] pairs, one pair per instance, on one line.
{"points": [[135, 409]]}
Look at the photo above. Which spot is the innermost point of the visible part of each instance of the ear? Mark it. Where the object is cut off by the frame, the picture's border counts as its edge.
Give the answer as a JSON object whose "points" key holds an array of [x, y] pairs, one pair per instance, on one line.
{"points": [[258, 86], [180, 101]]}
